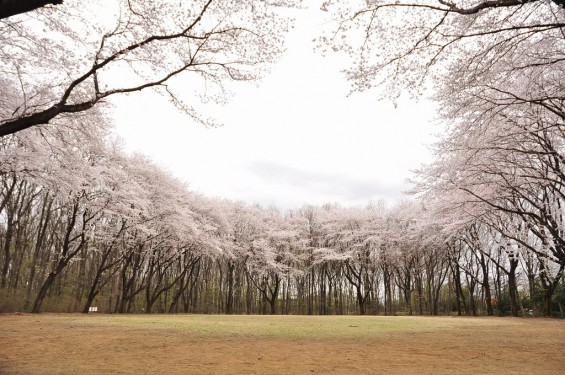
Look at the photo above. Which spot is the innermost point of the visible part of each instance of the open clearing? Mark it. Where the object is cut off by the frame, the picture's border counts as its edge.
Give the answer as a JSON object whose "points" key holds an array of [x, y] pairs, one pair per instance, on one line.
{"points": [[212, 344]]}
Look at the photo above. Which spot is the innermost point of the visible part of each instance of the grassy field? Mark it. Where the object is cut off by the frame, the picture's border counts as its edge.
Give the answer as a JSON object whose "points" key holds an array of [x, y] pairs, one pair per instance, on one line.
{"points": [[215, 344], [284, 327]]}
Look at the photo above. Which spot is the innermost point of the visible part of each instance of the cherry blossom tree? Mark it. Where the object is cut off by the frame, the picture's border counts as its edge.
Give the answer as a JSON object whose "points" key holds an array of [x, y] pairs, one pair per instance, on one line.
{"points": [[272, 256], [352, 236], [80, 210], [243, 228], [405, 44], [52, 64]]}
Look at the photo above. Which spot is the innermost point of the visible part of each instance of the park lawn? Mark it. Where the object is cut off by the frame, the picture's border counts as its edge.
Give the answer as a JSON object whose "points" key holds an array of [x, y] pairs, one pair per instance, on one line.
{"points": [[220, 344]]}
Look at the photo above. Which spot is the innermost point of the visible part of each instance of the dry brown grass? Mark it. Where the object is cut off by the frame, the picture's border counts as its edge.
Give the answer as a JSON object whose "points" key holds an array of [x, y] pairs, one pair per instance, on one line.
{"points": [[196, 344]]}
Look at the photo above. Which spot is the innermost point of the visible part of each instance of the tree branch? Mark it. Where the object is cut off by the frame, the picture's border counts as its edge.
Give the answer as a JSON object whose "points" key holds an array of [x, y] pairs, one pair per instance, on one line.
{"points": [[10, 8]]}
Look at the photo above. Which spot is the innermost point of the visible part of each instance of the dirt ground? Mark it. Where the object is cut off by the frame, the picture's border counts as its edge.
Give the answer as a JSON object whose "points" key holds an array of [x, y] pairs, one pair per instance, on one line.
{"points": [[48, 344]]}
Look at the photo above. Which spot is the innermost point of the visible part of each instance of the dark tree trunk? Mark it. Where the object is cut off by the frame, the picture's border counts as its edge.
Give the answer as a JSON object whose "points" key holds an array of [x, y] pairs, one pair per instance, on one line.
{"points": [[249, 294], [230, 281], [405, 283], [39, 241], [388, 291], [43, 292], [7, 246], [513, 287], [61, 264], [486, 285], [91, 295], [472, 301], [274, 293], [361, 302], [549, 286], [311, 276], [322, 307], [457, 286]]}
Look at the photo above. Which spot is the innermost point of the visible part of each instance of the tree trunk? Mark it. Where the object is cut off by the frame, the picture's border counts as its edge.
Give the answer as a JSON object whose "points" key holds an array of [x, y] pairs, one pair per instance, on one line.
{"points": [[66, 255], [408, 290], [472, 300], [43, 223], [91, 295], [43, 292], [513, 287], [486, 285], [47, 284], [458, 289], [311, 292], [230, 281], [361, 302], [388, 290], [549, 286], [7, 245], [322, 307]]}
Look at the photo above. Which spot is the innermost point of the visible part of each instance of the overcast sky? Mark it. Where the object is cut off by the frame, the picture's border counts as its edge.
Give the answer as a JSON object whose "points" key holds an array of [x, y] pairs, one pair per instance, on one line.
{"points": [[295, 139]]}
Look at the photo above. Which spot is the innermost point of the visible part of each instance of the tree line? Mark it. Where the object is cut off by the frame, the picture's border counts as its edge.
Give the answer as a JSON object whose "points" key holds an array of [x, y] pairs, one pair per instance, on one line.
{"points": [[94, 226], [82, 223]]}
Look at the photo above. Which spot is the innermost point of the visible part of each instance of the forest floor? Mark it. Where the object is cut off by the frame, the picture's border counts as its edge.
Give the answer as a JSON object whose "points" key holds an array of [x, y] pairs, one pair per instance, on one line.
{"points": [[218, 344]]}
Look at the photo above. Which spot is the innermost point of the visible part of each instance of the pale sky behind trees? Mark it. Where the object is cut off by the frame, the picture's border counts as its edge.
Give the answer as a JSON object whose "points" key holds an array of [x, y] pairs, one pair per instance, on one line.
{"points": [[297, 138]]}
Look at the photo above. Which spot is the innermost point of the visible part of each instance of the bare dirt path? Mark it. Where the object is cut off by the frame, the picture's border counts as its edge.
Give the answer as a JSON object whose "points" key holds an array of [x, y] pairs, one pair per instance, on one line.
{"points": [[70, 344]]}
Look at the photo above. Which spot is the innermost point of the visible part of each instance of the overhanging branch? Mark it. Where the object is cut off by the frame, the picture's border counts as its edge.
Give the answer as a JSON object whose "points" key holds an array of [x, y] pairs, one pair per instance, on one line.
{"points": [[10, 8]]}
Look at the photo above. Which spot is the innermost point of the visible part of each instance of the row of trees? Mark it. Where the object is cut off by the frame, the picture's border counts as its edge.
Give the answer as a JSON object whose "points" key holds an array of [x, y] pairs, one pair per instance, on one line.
{"points": [[495, 70], [84, 224]]}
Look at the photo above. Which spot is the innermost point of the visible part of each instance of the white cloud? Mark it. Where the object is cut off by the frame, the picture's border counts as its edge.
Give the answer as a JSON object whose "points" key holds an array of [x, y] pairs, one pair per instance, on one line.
{"points": [[332, 187]]}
